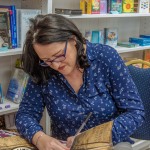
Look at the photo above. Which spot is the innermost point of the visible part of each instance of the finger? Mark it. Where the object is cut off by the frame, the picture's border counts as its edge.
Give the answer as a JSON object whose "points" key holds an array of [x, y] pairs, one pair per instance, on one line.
{"points": [[62, 145], [57, 147], [69, 141]]}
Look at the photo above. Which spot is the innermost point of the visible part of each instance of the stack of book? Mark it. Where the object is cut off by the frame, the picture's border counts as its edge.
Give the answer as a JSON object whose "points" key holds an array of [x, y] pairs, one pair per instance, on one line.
{"points": [[14, 24], [141, 41], [108, 36]]}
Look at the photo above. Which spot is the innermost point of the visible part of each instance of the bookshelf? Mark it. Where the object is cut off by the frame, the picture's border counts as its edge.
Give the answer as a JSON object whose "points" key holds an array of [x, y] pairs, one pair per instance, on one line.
{"points": [[108, 15], [8, 58], [13, 107], [120, 50], [128, 25], [11, 52]]}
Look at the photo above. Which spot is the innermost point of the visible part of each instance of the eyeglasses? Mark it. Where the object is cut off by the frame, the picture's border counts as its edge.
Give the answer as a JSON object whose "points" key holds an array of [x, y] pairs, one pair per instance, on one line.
{"points": [[59, 58]]}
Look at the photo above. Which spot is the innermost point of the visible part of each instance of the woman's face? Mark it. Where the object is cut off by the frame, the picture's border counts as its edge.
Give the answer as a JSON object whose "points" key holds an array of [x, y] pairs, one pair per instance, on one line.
{"points": [[52, 53]]}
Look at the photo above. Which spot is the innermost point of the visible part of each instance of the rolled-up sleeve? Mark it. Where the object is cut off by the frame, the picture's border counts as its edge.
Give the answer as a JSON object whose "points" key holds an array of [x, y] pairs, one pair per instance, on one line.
{"points": [[30, 111], [126, 97]]}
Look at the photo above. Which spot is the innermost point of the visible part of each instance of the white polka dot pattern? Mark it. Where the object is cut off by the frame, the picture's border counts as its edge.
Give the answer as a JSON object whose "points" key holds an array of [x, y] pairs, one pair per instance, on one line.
{"points": [[108, 91]]}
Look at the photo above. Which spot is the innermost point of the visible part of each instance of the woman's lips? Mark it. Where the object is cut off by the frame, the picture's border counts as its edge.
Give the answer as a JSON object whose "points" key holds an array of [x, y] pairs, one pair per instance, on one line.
{"points": [[61, 68]]}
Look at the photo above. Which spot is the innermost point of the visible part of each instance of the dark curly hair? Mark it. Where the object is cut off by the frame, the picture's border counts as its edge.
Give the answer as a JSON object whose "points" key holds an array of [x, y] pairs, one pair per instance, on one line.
{"points": [[46, 29]]}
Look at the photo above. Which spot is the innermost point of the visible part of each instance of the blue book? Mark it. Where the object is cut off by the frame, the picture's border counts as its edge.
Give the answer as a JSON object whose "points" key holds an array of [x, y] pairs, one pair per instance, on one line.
{"points": [[140, 41], [95, 37], [98, 36], [12, 23], [145, 36], [13, 8], [1, 94]]}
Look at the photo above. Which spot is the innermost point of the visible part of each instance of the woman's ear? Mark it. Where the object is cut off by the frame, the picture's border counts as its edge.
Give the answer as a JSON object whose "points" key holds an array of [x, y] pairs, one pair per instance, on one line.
{"points": [[74, 40]]}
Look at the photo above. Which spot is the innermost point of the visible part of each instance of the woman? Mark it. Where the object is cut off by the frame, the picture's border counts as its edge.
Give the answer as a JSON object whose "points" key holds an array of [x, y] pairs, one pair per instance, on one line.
{"points": [[72, 77]]}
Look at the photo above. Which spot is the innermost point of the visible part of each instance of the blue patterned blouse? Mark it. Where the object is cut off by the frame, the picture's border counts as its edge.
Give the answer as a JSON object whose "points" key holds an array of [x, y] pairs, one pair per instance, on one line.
{"points": [[108, 91]]}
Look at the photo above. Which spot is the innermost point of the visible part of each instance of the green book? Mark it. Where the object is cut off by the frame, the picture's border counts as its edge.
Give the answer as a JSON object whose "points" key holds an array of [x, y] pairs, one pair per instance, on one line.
{"points": [[127, 44]]}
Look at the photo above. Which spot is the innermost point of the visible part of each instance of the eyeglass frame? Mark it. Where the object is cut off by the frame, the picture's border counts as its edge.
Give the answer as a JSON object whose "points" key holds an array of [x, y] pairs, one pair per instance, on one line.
{"points": [[44, 63]]}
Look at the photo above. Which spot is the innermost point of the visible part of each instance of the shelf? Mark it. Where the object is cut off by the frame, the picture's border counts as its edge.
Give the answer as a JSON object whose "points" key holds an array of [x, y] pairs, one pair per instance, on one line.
{"points": [[13, 107], [11, 52], [119, 49], [124, 49], [108, 15]]}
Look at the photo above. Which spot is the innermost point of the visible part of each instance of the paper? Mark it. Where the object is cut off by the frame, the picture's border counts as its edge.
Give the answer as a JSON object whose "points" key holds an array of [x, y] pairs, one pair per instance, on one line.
{"points": [[97, 138]]}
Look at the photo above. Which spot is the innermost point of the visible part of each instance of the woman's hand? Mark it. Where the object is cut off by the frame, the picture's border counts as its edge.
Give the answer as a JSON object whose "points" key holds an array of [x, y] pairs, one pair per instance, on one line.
{"points": [[46, 142], [50, 143], [70, 141]]}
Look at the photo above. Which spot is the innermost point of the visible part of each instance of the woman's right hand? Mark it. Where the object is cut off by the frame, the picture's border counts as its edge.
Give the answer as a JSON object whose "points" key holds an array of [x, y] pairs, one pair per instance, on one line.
{"points": [[49, 143]]}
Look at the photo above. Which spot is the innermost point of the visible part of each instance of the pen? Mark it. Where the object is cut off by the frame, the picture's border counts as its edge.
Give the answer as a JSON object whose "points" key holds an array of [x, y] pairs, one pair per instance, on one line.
{"points": [[84, 123]]}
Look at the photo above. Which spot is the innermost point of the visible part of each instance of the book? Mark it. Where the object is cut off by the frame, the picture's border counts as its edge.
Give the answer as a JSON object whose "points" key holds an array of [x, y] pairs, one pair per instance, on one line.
{"points": [[146, 57], [101, 36], [1, 94], [13, 8], [136, 6], [143, 6], [13, 28], [95, 36], [5, 8], [5, 35], [23, 16], [111, 36], [95, 6], [17, 85], [2, 122], [108, 6], [68, 11], [145, 36], [88, 6], [140, 41], [103, 6], [96, 138], [127, 44], [83, 6], [116, 6], [88, 35], [127, 6]]}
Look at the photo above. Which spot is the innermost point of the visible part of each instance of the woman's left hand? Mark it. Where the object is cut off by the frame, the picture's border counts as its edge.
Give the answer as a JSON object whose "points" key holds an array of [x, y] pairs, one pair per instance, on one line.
{"points": [[70, 141]]}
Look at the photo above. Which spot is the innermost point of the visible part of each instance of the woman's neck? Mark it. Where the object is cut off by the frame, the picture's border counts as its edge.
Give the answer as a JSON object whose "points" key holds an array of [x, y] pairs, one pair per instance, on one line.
{"points": [[75, 79], [78, 72]]}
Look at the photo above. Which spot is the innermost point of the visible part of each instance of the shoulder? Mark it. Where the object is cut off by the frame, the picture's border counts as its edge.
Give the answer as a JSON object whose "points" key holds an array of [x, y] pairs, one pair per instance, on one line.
{"points": [[100, 52]]}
